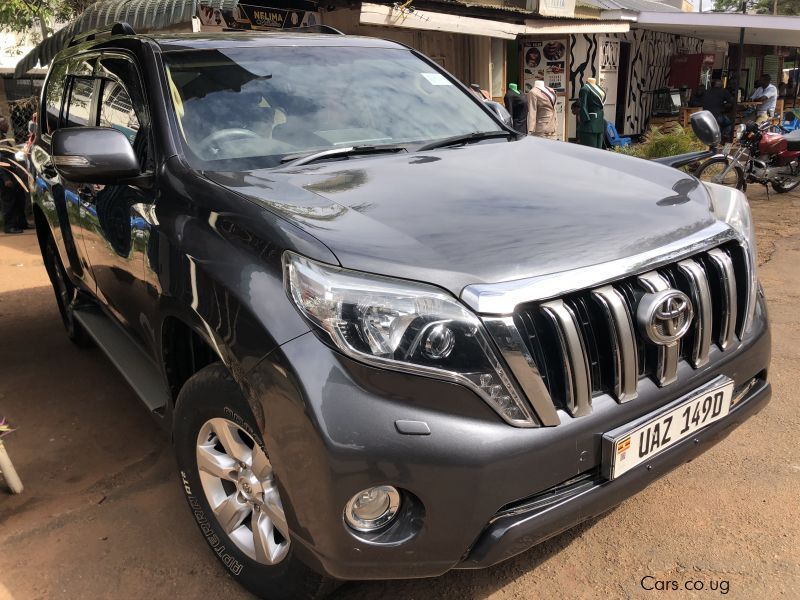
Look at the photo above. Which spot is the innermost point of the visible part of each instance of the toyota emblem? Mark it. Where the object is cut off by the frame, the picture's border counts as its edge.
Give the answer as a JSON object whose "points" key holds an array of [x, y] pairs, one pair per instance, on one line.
{"points": [[664, 317]]}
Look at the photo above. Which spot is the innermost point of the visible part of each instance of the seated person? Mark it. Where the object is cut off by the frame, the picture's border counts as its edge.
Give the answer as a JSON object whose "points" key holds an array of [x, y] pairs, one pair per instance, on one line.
{"points": [[767, 95]]}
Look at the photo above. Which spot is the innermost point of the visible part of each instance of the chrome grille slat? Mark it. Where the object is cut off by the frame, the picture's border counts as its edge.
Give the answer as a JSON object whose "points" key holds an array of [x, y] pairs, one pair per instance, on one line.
{"points": [[505, 333], [623, 344], [576, 366], [727, 279], [701, 297], [667, 368]]}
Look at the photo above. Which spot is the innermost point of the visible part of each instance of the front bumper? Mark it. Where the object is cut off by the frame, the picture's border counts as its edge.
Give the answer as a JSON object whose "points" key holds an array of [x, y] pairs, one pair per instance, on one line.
{"points": [[330, 430], [510, 535]]}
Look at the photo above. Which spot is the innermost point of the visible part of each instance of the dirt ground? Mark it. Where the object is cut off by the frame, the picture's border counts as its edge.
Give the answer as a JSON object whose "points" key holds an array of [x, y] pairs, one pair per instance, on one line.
{"points": [[103, 515]]}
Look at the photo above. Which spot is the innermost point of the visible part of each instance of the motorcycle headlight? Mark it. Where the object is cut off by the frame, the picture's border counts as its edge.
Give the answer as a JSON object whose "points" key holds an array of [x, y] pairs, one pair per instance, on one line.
{"points": [[739, 131], [731, 206], [404, 326]]}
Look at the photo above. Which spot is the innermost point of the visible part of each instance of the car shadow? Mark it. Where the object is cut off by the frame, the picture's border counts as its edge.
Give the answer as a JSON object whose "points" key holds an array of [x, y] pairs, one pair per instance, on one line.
{"points": [[469, 584]]}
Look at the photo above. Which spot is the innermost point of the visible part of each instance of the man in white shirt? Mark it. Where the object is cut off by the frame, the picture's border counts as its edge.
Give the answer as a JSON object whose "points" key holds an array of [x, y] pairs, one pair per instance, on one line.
{"points": [[767, 95]]}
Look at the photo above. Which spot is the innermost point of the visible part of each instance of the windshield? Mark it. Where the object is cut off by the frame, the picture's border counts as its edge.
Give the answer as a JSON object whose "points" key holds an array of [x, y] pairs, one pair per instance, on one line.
{"points": [[245, 108]]}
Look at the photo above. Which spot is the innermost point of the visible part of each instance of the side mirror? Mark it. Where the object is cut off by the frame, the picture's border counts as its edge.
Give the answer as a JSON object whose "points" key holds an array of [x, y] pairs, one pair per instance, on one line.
{"points": [[94, 155], [706, 128], [500, 111]]}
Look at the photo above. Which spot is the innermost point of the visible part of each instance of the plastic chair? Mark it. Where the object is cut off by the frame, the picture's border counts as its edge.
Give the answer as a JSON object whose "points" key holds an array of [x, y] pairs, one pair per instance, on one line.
{"points": [[613, 138], [790, 122]]}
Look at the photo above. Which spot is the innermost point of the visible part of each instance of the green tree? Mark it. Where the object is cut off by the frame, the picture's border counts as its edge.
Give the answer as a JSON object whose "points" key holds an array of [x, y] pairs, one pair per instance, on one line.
{"points": [[21, 16], [759, 7]]}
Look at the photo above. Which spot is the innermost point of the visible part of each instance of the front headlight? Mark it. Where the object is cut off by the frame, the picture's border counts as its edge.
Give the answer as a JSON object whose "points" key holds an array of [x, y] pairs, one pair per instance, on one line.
{"points": [[403, 326], [731, 206]]}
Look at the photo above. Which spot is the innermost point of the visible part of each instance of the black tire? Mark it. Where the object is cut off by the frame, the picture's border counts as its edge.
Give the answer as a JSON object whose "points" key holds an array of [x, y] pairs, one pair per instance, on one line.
{"points": [[782, 188], [66, 295], [711, 167], [213, 394]]}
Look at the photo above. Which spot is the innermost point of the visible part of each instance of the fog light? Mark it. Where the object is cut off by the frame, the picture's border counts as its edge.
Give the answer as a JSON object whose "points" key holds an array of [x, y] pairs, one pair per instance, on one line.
{"points": [[372, 508]]}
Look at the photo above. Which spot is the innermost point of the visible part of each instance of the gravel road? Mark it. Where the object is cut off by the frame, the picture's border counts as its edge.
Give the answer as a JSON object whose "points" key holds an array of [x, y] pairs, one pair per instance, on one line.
{"points": [[103, 515]]}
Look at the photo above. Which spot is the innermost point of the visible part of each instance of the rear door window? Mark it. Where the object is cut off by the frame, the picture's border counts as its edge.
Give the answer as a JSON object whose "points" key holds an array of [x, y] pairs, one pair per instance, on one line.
{"points": [[79, 111]]}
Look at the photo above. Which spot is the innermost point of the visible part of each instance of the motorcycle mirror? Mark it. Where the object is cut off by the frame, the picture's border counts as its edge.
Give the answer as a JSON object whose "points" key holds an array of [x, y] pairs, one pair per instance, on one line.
{"points": [[706, 128]]}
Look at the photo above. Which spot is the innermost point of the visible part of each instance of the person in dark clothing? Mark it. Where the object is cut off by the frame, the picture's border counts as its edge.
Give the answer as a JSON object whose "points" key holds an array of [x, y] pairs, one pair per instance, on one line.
{"points": [[517, 107], [718, 101], [12, 198]]}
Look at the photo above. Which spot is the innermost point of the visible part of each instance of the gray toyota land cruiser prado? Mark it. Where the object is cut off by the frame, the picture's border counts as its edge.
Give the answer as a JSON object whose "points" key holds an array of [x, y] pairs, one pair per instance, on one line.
{"points": [[387, 335]]}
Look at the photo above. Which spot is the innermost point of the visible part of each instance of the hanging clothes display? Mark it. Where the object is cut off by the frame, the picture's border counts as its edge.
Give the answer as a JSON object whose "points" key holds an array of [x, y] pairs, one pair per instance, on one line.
{"points": [[590, 128], [517, 108], [542, 111]]}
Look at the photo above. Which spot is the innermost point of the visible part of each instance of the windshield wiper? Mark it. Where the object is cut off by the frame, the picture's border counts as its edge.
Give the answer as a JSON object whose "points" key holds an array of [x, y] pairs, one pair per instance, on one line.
{"points": [[303, 159], [475, 136]]}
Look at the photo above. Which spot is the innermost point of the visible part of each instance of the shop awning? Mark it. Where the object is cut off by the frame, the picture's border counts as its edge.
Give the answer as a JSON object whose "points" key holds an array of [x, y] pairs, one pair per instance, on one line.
{"points": [[766, 30], [139, 14], [565, 26], [389, 16]]}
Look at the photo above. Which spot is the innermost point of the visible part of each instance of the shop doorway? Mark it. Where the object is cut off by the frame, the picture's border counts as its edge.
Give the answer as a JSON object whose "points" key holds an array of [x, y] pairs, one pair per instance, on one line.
{"points": [[609, 75], [623, 79]]}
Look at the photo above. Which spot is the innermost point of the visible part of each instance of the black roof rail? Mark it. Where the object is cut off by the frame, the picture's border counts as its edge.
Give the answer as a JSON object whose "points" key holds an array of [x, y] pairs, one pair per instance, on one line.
{"points": [[109, 30], [315, 29]]}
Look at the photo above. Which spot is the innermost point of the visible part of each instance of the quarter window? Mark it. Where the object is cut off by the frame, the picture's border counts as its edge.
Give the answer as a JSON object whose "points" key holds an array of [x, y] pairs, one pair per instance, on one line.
{"points": [[53, 97]]}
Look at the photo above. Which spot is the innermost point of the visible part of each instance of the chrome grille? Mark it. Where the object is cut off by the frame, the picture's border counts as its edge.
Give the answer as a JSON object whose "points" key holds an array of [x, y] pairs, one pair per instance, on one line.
{"points": [[567, 350]]}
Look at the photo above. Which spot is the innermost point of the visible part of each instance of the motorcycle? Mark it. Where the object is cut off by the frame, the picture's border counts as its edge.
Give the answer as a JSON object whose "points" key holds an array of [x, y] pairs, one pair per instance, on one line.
{"points": [[762, 156]]}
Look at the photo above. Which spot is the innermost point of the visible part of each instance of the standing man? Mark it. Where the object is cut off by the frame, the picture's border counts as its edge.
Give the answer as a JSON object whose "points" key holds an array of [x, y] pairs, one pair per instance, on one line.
{"points": [[12, 196], [590, 128], [517, 108], [767, 95]]}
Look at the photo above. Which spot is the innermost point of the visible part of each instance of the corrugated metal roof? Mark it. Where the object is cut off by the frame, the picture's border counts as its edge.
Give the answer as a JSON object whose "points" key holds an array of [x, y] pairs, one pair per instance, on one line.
{"points": [[139, 14], [634, 5]]}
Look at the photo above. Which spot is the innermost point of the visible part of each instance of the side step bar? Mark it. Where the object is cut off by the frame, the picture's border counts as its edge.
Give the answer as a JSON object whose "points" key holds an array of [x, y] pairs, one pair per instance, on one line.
{"points": [[137, 369]]}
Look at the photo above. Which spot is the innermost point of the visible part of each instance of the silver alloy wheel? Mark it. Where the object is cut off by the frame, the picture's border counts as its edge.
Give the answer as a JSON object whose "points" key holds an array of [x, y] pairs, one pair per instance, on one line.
{"points": [[238, 482]]}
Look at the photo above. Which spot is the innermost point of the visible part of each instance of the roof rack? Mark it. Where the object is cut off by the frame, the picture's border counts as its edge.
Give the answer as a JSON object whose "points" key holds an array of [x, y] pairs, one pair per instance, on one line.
{"points": [[315, 29], [107, 31]]}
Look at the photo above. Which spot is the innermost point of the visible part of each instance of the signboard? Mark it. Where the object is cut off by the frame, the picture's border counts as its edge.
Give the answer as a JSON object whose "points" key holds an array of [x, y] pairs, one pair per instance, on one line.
{"points": [[255, 17], [556, 8], [547, 61]]}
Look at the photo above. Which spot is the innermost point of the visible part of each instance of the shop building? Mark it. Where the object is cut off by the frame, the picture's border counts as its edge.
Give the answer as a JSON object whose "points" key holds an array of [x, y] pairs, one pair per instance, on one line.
{"points": [[631, 47]]}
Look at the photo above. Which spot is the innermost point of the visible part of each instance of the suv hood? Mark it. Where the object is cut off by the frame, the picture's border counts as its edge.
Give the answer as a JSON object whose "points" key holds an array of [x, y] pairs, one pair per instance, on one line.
{"points": [[482, 213]]}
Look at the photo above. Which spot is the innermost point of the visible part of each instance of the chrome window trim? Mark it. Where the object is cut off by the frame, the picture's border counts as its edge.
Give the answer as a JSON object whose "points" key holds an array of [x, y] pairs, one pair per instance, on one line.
{"points": [[502, 298]]}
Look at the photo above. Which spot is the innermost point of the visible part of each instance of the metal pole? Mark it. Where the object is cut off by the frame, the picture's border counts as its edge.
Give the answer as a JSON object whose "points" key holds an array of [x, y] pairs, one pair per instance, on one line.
{"points": [[796, 76], [740, 61]]}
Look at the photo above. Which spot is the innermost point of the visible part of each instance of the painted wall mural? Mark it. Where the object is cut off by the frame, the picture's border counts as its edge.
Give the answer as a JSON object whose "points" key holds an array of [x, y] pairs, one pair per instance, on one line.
{"points": [[649, 55]]}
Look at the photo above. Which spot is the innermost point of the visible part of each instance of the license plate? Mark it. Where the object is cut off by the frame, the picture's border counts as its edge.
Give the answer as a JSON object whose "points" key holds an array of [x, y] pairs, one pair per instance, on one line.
{"points": [[622, 451]]}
